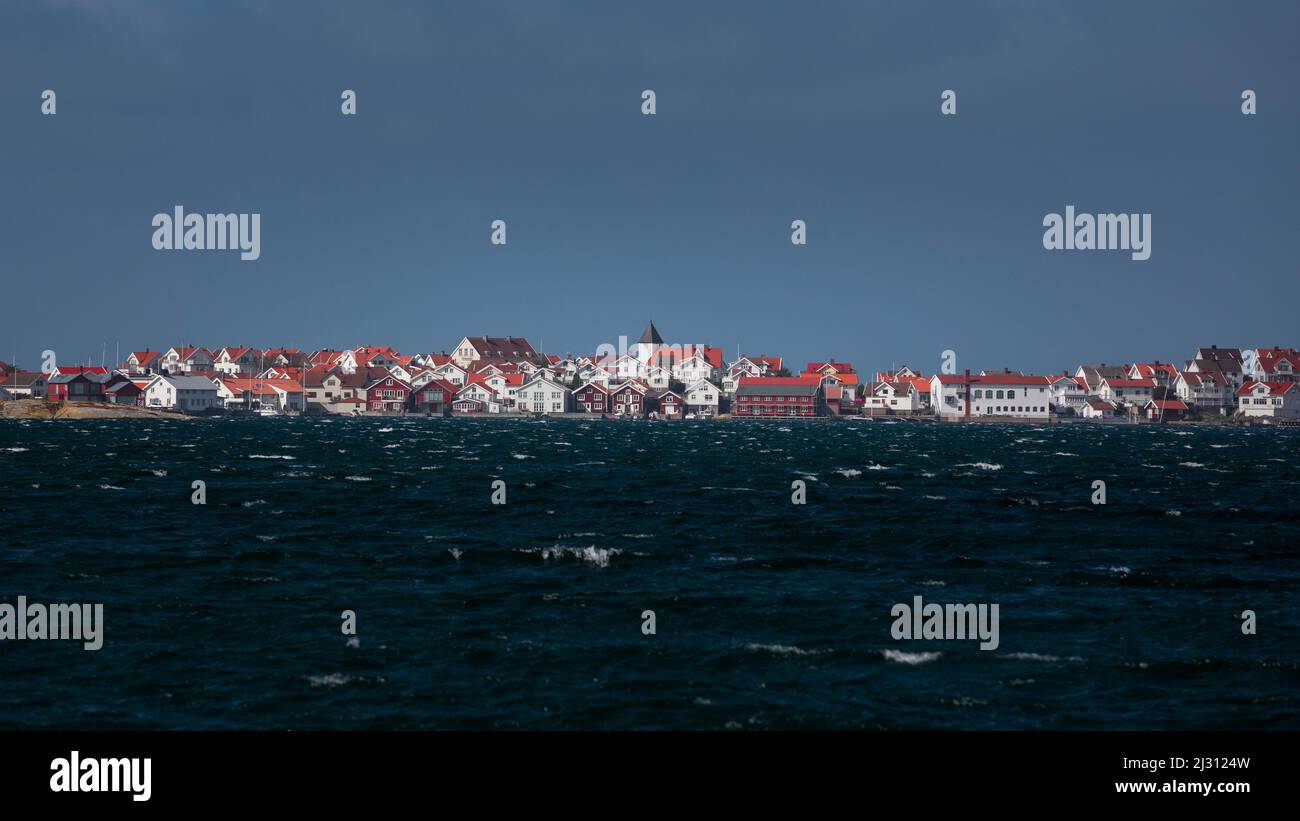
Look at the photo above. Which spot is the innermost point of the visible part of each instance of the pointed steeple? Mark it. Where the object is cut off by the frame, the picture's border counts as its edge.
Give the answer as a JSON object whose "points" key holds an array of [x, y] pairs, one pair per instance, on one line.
{"points": [[651, 335]]}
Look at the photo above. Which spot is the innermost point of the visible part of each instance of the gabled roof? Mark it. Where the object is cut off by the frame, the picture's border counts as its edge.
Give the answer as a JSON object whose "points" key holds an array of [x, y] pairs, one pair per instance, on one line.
{"points": [[1220, 355], [837, 367], [374, 376], [72, 369], [502, 347], [1148, 370], [1274, 388], [635, 384], [1214, 377], [1270, 358], [1166, 404]]}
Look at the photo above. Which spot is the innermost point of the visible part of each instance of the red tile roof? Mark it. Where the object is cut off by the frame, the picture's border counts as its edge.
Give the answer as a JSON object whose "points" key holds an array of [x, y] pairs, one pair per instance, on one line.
{"points": [[1274, 388]]}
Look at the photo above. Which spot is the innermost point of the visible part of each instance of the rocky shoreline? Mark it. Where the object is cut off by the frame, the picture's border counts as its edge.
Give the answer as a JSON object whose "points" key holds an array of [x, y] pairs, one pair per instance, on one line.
{"points": [[42, 409]]}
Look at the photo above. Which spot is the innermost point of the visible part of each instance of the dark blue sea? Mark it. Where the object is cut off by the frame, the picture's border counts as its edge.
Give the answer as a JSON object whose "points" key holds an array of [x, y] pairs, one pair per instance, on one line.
{"points": [[768, 615]]}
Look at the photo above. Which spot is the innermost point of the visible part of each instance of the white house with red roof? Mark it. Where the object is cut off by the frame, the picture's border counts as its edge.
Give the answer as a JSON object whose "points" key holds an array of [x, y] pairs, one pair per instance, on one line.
{"points": [[345, 361], [451, 372], [1271, 400], [747, 366], [253, 392], [187, 359], [1097, 409], [1163, 373], [1069, 393], [234, 361], [1276, 365], [1135, 392], [144, 361]]}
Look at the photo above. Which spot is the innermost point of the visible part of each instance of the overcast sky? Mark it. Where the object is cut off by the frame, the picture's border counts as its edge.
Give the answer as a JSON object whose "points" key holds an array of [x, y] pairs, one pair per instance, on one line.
{"points": [[924, 231]]}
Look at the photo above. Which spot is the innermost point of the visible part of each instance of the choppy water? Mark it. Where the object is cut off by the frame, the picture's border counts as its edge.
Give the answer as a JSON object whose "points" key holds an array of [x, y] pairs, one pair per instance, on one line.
{"points": [[768, 614]]}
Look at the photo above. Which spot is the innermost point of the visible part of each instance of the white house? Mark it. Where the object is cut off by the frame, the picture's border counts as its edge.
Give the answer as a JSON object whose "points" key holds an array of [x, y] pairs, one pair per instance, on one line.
{"points": [[234, 361], [1207, 390], [451, 372], [510, 348], [694, 367], [702, 398], [542, 394], [189, 394], [1136, 392], [897, 396], [954, 396], [142, 361], [1228, 361], [1098, 409], [345, 361], [629, 366], [1162, 372], [658, 377], [1069, 393], [1276, 365], [1275, 400], [186, 359], [478, 392]]}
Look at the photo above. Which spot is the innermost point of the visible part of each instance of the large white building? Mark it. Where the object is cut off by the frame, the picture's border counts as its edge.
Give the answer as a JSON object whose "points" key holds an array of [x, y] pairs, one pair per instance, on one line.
{"points": [[955, 396]]}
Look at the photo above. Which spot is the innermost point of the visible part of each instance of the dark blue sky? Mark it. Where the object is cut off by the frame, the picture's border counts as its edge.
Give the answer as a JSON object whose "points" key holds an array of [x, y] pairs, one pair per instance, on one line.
{"points": [[924, 231]]}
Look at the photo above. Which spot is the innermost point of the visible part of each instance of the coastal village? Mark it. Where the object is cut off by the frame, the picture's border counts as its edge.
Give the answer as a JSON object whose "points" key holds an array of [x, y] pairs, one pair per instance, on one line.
{"points": [[504, 375]]}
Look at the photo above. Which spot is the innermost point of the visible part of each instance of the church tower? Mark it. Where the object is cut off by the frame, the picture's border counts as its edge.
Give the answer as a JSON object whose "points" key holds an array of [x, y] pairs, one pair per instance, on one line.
{"points": [[649, 343]]}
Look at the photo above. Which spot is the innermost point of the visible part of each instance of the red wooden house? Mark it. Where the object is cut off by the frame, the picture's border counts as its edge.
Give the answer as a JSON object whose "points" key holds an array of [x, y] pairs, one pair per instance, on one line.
{"points": [[629, 399], [593, 397], [670, 405], [434, 397], [69, 385], [385, 393]]}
